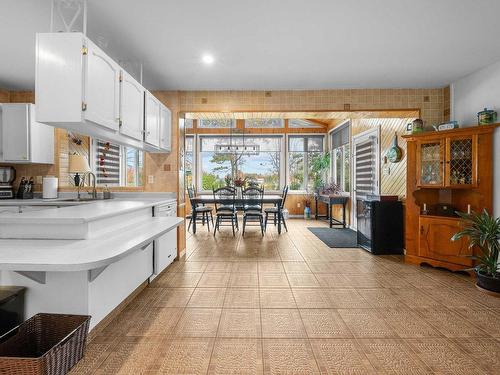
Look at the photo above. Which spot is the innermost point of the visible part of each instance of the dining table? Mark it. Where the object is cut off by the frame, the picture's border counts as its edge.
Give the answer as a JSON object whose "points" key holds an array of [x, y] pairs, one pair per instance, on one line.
{"points": [[239, 202]]}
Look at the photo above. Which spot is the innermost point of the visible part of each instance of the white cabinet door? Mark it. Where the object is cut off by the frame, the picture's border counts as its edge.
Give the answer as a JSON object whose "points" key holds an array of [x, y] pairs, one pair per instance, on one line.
{"points": [[131, 107], [15, 132], [152, 125], [102, 88], [165, 128], [23, 140]]}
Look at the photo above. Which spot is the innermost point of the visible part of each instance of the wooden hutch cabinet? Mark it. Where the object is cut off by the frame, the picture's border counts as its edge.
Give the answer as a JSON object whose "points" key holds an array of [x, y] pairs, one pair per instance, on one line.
{"points": [[447, 162], [452, 168]]}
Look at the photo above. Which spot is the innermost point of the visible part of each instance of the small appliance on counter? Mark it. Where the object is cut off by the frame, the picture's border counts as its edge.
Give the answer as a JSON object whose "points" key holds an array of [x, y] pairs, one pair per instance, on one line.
{"points": [[25, 189], [7, 177], [380, 224], [49, 187]]}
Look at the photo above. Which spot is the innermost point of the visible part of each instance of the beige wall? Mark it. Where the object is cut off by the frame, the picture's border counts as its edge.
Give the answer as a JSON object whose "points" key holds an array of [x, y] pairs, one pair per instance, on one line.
{"points": [[430, 102]]}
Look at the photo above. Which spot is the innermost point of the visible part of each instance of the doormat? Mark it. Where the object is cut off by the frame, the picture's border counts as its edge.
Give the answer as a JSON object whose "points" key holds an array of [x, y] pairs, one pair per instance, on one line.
{"points": [[336, 237]]}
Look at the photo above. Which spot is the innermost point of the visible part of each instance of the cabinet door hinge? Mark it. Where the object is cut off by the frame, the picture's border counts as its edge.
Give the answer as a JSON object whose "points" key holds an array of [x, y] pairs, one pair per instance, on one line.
{"points": [[121, 77], [85, 50], [84, 106]]}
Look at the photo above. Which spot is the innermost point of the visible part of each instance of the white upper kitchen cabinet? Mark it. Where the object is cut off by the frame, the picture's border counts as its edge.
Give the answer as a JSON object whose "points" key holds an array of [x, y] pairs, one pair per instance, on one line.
{"points": [[102, 88], [152, 120], [78, 88], [165, 129], [131, 107], [23, 140]]}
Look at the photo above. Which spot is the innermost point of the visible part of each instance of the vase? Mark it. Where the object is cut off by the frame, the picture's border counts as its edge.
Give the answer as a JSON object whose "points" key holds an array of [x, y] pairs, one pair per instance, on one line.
{"points": [[307, 212]]}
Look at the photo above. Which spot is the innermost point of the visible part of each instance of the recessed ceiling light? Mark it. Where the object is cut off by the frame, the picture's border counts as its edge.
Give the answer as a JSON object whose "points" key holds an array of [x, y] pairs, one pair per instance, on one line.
{"points": [[208, 59]]}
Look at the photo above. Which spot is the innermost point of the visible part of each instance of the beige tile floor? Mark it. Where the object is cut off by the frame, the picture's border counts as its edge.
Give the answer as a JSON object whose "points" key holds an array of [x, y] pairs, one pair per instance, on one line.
{"points": [[290, 305]]}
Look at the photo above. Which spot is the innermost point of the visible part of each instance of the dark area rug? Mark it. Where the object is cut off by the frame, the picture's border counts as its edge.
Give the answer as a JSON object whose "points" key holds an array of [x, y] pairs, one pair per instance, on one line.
{"points": [[336, 237]]}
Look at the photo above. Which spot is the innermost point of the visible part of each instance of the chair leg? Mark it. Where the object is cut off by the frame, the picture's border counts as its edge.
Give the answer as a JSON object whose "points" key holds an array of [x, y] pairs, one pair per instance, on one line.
{"points": [[237, 225], [265, 221], [274, 219], [190, 221], [208, 222], [216, 225], [232, 224], [212, 217], [284, 223], [261, 220], [244, 224]]}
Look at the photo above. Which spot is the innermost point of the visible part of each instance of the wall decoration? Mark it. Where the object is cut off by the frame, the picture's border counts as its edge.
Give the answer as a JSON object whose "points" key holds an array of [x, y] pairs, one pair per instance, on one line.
{"points": [[395, 153]]}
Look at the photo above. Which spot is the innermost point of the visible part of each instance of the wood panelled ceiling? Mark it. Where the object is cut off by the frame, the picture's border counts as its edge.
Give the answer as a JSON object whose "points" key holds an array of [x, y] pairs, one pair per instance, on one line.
{"points": [[321, 117]]}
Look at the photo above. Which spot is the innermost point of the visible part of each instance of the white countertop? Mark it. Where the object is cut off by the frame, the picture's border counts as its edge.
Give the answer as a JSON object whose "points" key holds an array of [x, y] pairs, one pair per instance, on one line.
{"points": [[78, 212], [80, 255]]}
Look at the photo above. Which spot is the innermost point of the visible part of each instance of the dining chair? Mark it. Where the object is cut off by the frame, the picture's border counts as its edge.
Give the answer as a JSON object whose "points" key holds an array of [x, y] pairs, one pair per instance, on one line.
{"points": [[274, 210], [225, 208], [202, 212], [252, 208]]}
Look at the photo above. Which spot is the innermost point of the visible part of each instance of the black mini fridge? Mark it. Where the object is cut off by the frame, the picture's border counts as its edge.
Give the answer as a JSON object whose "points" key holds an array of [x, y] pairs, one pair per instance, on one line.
{"points": [[380, 224]]}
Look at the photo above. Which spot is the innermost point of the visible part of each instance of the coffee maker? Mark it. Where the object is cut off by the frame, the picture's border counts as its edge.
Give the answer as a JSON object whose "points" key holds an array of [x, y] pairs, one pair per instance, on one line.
{"points": [[7, 177]]}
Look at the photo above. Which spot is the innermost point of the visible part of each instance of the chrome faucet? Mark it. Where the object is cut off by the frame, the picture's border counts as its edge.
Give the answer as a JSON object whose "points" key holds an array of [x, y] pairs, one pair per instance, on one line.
{"points": [[94, 191]]}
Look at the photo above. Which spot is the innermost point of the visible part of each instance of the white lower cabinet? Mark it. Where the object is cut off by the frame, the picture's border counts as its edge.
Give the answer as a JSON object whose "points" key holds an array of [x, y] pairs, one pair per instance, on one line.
{"points": [[23, 140], [165, 252]]}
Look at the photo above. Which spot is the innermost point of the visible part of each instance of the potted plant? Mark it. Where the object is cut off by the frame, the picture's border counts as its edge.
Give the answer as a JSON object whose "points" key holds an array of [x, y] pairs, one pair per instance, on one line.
{"points": [[483, 232]]}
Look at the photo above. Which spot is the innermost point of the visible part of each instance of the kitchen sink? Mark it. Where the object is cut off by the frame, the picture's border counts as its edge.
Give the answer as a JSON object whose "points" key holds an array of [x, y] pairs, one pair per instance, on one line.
{"points": [[82, 200]]}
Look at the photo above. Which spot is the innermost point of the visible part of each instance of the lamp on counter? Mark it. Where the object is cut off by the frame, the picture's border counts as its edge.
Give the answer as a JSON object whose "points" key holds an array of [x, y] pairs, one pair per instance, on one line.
{"points": [[78, 164]]}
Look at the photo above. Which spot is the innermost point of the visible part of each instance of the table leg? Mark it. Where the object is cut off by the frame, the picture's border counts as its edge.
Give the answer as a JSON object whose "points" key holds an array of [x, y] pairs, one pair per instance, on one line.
{"points": [[343, 214], [279, 217], [193, 216], [330, 214]]}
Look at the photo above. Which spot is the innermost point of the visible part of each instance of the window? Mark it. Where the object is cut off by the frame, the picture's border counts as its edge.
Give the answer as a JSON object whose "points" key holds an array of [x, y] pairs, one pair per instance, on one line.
{"points": [[341, 155], [189, 161], [303, 151], [116, 165], [188, 123], [264, 123], [224, 158], [213, 124]]}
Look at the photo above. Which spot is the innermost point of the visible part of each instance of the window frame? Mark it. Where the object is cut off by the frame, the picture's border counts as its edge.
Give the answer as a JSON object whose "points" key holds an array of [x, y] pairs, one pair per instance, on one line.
{"points": [[198, 166], [200, 124], [333, 158], [306, 157], [194, 164], [123, 165]]}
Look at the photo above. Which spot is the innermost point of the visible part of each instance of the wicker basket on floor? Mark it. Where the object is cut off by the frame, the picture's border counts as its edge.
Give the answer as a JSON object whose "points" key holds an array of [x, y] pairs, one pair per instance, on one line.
{"points": [[48, 344]]}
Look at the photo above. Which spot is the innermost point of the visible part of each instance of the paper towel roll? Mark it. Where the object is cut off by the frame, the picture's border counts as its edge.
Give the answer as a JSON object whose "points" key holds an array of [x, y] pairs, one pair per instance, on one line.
{"points": [[50, 187]]}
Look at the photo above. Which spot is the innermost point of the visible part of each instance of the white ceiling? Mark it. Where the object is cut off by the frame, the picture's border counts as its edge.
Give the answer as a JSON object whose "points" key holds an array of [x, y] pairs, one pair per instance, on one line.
{"points": [[272, 44]]}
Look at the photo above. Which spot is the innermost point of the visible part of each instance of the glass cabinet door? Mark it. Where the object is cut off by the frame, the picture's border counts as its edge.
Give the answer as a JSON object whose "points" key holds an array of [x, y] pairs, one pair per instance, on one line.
{"points": [[430, 159], [461, 161]]}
